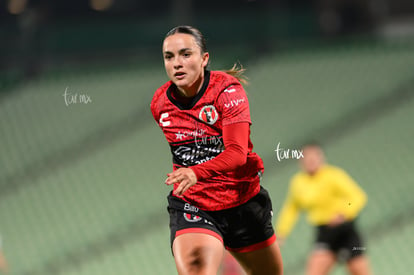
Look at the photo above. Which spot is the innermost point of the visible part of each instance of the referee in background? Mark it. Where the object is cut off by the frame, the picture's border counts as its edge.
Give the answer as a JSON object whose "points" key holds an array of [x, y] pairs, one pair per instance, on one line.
{"points": [[332, 201]]}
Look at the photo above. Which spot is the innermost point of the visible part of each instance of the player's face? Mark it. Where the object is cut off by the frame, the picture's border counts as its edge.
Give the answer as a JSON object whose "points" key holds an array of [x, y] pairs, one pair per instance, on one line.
{"points": [[313, 159], [184, 62]]}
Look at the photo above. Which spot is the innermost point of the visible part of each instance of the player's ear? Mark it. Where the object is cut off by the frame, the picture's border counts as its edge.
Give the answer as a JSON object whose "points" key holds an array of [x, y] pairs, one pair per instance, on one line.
{"points": [[205, 58]]}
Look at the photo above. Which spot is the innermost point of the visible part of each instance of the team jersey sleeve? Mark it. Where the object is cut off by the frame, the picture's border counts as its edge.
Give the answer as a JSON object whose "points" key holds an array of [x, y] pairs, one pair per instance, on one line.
{"points": [[235, 138], [154, 111], [233, 105], [156, 107]]}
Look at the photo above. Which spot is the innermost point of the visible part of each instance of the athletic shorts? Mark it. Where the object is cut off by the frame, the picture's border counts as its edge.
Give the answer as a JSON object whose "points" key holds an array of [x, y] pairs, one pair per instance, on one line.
{"points": [[244, 228], [344, 240]]}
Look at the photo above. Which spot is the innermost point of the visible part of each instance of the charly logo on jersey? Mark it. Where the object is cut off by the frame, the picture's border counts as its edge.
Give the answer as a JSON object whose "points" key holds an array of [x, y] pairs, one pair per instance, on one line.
{"points": [[208, 114], [163, 122], [192, 217]]}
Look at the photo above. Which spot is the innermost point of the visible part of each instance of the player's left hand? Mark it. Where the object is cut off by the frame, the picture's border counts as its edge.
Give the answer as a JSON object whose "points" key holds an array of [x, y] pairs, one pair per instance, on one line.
{"points": [[185, 176]]}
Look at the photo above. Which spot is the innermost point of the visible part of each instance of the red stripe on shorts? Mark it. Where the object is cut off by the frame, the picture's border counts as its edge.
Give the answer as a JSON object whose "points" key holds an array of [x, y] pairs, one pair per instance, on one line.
{"points": [[255, 246], [198, 230]]}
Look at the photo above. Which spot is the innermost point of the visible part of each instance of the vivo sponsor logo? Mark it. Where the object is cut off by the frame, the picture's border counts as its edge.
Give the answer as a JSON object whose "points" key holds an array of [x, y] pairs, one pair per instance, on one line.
{"points": [[234, 102]]}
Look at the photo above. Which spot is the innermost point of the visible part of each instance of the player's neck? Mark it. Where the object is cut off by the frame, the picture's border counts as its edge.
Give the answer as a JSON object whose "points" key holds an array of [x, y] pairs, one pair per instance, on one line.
{"points": [[193, 89], [177, 95]]}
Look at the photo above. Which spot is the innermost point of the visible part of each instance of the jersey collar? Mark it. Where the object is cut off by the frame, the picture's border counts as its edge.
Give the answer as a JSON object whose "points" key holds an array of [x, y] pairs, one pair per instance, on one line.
{"points": [[195, 99]]}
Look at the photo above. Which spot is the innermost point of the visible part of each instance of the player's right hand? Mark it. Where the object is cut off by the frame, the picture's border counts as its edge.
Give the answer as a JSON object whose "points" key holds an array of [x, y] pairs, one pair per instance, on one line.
{"points": [[185, 176]]}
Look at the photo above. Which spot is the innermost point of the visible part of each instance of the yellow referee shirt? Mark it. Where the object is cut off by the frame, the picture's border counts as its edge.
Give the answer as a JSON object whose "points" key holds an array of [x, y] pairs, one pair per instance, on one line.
{"points": [[324, 195]]}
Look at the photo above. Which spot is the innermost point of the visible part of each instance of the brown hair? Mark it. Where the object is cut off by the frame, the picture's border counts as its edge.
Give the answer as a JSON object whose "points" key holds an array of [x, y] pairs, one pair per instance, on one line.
{"points": [[237, 70]]}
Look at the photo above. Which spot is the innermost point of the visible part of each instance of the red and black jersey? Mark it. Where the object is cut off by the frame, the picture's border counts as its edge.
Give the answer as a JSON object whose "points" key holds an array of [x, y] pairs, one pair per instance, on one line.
{"points": [[194, 131]]}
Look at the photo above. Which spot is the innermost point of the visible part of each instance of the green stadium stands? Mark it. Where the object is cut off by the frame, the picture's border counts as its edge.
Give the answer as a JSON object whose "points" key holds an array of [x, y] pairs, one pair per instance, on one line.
{"points": [[81, 186]]}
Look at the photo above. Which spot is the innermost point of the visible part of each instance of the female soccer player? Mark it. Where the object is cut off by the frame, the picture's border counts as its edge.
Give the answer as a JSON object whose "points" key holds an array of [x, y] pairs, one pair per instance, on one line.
{"points": [[332, 200], [217, 198]]}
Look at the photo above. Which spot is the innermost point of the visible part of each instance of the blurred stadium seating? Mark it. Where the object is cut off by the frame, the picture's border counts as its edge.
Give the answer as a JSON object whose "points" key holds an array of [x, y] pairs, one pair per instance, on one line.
{"points": [[81, 185]]}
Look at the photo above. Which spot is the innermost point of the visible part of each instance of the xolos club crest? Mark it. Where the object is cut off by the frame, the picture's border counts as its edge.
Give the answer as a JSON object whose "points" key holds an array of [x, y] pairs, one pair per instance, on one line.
{"points": [[208, 114], [191, 217]]}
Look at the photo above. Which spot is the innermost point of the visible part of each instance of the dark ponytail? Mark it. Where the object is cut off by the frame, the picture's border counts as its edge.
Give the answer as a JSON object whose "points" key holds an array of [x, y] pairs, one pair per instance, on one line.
{"points": [[238, 72]]}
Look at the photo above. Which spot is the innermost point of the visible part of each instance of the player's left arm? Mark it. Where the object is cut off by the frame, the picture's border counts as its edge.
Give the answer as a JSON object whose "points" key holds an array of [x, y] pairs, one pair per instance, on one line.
{"points": [[235, 138], [233, 107]]}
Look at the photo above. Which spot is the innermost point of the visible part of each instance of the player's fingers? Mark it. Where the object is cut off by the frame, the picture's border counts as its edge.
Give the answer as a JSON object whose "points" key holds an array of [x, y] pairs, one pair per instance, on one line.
{"points": [[182, 187], [173, 178], [177, 191], [186, 187]]}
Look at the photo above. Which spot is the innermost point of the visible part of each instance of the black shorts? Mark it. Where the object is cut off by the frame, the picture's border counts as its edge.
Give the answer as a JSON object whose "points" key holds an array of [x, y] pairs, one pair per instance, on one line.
{"points": [[243, 228], [344, 240]]}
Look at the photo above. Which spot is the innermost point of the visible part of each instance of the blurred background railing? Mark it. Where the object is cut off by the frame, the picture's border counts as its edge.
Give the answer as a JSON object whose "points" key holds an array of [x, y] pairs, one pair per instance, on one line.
{"points": [[81, 181]]}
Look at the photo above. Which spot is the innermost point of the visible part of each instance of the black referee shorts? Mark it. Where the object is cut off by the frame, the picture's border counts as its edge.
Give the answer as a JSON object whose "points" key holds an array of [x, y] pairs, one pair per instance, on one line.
{"points": [[344, 240], [243, 228]]}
